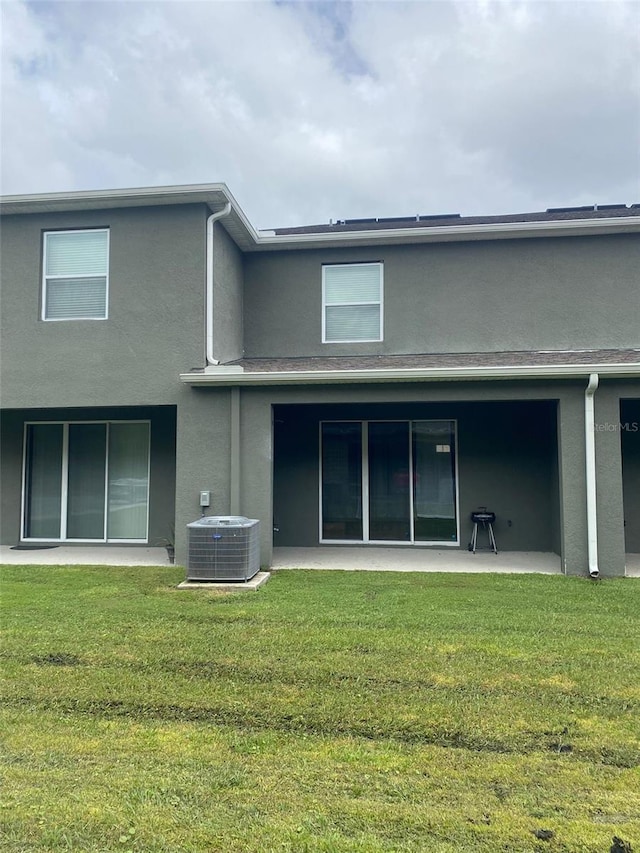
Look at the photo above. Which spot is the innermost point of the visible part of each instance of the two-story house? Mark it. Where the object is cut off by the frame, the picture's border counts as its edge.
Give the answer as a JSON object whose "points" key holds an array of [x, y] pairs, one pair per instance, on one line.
{"points": [[363, 382]]}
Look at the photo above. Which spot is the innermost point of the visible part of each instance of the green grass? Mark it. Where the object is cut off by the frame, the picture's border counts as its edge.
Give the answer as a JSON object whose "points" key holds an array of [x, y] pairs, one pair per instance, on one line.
{"points": [[328, 712]]}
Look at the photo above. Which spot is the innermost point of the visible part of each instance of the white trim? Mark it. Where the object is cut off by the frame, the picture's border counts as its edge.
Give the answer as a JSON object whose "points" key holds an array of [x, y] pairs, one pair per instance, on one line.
{"points": [[23, 481], [412, 488], [590, 465], [379, 303], [364, 485], [412, 374], [457, 476], [449, 233], [216, 195], [46, 278], [209, 290], [64, 483]]}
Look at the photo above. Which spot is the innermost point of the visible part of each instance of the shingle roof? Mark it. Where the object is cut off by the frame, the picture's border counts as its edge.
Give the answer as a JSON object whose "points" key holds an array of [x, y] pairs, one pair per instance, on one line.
{"points": [[440, 360]]}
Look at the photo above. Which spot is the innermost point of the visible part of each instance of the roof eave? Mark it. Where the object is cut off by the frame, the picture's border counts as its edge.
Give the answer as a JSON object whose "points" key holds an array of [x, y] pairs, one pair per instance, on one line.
{"points": [[224, 377], [216, 196], [451, 233]]}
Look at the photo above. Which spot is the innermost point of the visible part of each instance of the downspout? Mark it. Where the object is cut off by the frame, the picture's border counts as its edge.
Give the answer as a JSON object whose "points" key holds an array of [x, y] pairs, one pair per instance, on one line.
{"points": [[226, 210], [590, 454]]}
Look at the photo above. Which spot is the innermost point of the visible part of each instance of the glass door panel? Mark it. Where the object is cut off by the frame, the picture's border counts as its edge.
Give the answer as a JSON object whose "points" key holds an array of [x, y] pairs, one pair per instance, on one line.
{"points": [[86, 482], [389, 482], [434, 496], [342, 481], [128, 481], [43, 502]]}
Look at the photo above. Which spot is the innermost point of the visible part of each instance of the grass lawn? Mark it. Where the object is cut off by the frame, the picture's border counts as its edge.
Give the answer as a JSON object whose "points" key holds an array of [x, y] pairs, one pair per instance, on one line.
{"points": [[330, 711]]}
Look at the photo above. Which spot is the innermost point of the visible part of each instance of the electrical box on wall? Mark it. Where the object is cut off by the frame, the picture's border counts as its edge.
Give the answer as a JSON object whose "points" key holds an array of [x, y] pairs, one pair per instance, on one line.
{"points": [[205, 498]]}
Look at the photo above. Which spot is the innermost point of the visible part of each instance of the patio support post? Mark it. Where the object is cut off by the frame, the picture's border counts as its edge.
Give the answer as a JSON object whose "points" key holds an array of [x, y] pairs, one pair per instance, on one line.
{"points": [[256, 475], [235, 453], [609, 491], [202, 459], [572, 483]]}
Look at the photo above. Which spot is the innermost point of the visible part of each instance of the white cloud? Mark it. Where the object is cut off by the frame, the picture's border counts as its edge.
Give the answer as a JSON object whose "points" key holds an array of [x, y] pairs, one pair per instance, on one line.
{"points": [[316, 110]]}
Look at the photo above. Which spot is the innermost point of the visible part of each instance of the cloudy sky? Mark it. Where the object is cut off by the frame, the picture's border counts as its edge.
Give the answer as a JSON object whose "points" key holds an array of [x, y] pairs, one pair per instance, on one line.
{"points": [[312, 110]]}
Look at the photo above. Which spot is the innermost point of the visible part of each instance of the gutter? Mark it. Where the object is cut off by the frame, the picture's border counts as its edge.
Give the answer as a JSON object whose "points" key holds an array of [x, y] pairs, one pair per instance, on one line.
{"points": [[590, 456], [226, 210], [228, 375], [444, 233]]}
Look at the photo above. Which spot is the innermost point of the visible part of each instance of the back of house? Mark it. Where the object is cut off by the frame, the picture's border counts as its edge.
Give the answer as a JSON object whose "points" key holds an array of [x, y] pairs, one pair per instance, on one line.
{"points": [[358, 383]]}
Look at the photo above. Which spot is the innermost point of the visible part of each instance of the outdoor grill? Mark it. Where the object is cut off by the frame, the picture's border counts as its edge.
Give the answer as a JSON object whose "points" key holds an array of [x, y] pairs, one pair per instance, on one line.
{"points": [[484, 518]]}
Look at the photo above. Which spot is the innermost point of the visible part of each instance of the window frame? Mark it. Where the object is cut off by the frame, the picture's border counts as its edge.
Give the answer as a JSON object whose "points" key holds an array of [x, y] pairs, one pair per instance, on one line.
{"points": [[379, 303], [46, 278], [64, 484], [365, 486]]}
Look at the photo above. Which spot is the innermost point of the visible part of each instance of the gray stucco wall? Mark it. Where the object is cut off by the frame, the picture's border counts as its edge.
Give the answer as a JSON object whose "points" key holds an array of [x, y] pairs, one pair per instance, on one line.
{"points": [[562, 293], [155, 327], [505, 461], [630, 439], [202, 458], [162, 462], [227, 297]]}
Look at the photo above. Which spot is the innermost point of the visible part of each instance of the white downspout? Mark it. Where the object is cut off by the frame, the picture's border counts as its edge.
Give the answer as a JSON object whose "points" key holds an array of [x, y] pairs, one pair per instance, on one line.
{"points": [[209, 281], [590, 454]]}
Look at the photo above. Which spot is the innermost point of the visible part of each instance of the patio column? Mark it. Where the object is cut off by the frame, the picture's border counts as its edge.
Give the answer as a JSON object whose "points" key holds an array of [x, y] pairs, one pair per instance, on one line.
{"points": [[572, 484], [203, 450], [609, 493], [256, 466]]}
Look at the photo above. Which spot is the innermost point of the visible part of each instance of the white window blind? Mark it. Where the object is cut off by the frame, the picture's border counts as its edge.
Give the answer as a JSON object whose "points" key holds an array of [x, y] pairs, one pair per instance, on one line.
{"points": [[352, 302], [76, 265]]}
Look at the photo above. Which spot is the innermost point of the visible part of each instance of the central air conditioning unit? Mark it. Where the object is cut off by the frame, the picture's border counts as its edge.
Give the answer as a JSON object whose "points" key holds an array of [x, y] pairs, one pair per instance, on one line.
{"points": [[223, 548]]}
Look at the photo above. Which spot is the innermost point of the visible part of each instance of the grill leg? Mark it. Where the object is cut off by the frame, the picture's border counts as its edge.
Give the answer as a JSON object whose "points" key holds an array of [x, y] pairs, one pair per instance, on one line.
{"points": [[492, 538], [474, 538]]}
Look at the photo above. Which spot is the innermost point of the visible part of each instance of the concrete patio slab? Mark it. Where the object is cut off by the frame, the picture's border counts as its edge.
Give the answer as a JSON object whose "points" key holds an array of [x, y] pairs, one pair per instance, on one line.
{"points": [[414, 560], [85, 555], [325, 557], [633, 565]]}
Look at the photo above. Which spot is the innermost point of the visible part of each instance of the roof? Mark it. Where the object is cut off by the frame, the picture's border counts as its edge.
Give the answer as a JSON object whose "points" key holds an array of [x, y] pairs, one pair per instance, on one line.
{"points": [[540, 364], [550, 358], [554, 222], [558, 214]]}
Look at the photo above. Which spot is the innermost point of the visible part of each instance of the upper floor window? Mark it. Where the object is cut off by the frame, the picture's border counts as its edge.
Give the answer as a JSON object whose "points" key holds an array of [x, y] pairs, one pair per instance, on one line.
{"points": [[351, 303], [76, 273]]}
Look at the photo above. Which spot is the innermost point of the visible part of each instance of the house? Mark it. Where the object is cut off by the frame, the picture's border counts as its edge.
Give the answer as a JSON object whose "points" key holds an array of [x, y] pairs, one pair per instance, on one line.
{"points": [[362, 382]]}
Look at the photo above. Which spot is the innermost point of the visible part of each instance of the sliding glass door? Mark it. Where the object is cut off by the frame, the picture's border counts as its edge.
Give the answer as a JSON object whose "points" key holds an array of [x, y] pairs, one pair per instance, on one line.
{"points": [[389, 481], [86, 481]]}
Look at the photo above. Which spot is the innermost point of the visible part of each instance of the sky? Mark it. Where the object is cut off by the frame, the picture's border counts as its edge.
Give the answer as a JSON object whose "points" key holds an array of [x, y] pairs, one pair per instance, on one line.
{"points": [[311, 111]]}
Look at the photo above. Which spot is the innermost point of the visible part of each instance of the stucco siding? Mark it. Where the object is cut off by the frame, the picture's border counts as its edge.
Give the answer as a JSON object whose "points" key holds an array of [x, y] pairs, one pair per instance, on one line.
{"points": [[227, 297], [546, 294], [155, 326]]}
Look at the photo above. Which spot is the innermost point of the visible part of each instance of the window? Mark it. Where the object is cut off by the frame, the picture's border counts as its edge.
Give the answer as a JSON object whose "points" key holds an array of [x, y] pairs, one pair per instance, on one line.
{"points": [[86, 481], [389, 481], [75, 275], [351, 303]]}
